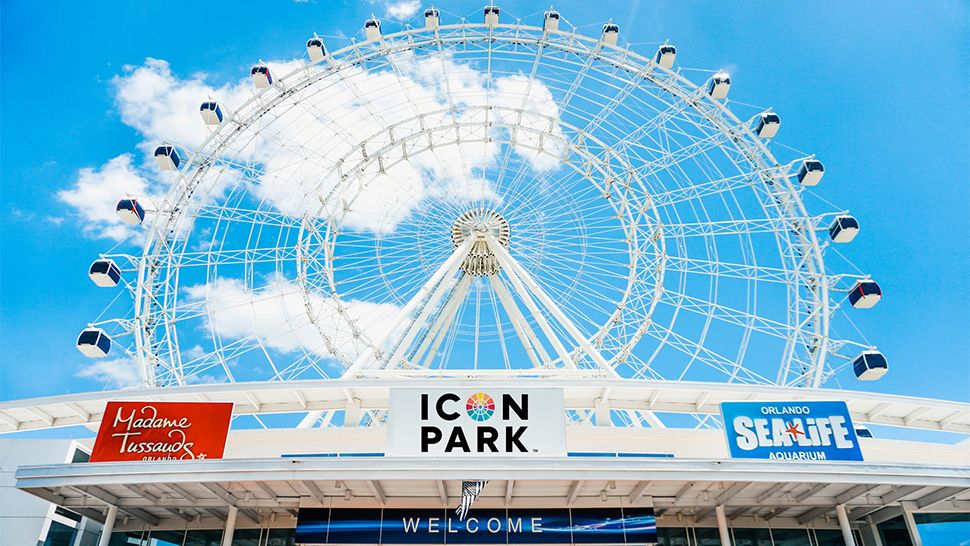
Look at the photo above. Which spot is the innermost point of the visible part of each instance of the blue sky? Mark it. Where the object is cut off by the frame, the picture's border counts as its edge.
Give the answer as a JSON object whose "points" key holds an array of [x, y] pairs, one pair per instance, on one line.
{"points": [[875, 89]]}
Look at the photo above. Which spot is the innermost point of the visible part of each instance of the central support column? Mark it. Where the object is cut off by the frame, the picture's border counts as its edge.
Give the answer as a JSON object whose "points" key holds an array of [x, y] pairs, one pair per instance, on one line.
{"points": [[844, 525], [109, 526], [230, 526], [722, 527]]}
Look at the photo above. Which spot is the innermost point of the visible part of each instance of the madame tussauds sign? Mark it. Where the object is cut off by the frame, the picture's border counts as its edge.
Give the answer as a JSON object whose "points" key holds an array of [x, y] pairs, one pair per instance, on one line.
{"points": [[157, 431], [476, 421]]}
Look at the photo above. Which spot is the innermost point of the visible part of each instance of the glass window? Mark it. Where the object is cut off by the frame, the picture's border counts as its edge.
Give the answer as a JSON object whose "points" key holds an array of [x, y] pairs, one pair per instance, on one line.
{"points": [[672, 536], [829, 537], [893, 532], [59, 535], [127, 538], [751, 537], [247, 537], [166, 538], [791, 537], [707, 536], [204, 538], [943, 528], [281, 537]]}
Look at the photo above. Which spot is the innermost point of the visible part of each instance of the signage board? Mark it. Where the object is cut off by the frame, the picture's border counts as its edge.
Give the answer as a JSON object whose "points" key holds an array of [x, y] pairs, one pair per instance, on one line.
{"points": [[158, 431], [790, 431], [482, 526], [476, 421]]}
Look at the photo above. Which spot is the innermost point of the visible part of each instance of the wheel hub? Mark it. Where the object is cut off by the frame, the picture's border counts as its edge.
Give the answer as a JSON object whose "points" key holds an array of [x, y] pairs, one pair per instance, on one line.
{"points": [[478, 223]]}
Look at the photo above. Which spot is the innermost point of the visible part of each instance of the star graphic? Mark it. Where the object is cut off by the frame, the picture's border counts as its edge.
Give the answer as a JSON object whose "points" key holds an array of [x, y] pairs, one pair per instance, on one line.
{"points": [[202, 455], [793, 430]]}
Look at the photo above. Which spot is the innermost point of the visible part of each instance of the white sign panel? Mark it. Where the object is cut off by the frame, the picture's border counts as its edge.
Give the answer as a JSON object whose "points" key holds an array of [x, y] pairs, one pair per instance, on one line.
{"points": [[476, 421]]}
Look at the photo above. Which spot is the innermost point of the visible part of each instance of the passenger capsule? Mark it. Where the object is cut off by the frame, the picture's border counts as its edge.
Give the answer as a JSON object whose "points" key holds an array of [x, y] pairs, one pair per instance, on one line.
{"points": [[315, 49], [865, 294], [844, 229], [811, 172], [211, 113], [491, 15], [768, 124], [666, 55], [94, 343], [611, 32], [870, 366], [105, 273], [431, 19], [550, 21], [167, 158], [719, 85], [130, 212], [262, 77], [372, 29]]}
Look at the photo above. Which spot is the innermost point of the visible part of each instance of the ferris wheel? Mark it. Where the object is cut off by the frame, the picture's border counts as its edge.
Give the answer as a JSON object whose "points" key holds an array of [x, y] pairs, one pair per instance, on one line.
{"points": [[488, 197]]}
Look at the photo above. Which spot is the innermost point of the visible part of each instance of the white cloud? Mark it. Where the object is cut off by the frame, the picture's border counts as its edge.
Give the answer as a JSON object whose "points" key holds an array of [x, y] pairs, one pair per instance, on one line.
{"points": [[96, 192], [278, 315], [165, 108], [404, 9], [118, 372], [337, 118]]}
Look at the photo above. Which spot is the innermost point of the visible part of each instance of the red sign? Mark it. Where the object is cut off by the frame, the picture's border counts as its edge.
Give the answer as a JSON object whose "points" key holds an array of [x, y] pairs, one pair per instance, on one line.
{"points": [[160, 431]]}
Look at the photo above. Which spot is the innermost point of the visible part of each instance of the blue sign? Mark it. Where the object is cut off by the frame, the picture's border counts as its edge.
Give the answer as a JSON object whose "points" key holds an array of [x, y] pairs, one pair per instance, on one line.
{"points": [[482, 526], [790, 431]]}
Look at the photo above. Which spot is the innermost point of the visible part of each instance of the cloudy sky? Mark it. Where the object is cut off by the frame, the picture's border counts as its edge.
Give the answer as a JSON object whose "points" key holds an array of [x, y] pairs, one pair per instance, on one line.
{"points": [[879, 94]]}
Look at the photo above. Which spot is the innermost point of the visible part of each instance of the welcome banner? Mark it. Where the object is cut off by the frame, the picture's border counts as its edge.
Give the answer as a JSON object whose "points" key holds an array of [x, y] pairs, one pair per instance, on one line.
{"points": [[483, 526]]}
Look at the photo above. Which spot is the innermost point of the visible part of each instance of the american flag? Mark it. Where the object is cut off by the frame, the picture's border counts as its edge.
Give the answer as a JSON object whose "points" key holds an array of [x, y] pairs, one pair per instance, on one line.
{"points": [[469, 492]]}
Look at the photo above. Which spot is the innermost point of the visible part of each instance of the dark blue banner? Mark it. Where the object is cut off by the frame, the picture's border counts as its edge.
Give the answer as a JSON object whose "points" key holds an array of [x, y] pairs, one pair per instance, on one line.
{"points": [[790, 431], [482, 526]]}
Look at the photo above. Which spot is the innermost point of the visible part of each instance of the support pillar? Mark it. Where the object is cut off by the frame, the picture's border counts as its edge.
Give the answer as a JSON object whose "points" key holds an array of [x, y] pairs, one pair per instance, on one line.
{"points": [[722, 527], [109, 525], [230, 526], [908, 507], [844, 525]]}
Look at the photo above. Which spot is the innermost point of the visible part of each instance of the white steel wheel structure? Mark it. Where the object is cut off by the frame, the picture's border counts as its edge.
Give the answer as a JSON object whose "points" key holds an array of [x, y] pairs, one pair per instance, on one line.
{"points": [[486, 200]]}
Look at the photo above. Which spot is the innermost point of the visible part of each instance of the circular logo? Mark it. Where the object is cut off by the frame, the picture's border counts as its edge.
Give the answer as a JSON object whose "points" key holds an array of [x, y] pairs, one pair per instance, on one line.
{"points": [[480, 406]]}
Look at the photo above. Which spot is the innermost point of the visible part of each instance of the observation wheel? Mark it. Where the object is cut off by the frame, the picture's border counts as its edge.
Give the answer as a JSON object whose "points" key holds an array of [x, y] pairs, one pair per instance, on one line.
{"points": [[495, 197]]}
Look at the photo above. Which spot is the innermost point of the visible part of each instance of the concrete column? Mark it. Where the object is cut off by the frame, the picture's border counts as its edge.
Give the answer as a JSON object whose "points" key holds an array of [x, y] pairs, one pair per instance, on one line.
{"points": [[230, 526], [874, 531], [908, 507], [722, 527], [844, 525], [109, 525]]}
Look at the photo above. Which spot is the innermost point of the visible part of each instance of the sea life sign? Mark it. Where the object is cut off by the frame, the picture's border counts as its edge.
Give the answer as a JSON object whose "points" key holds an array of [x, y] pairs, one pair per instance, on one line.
{"points": [[157, 431], [791, 431]]}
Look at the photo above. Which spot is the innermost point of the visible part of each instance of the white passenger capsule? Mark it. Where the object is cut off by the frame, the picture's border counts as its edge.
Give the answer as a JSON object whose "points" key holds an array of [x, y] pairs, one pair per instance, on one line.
{"points": [[865, 294], [719, 85], [105, 273], [550, 21], [666, 56], [372, 29], [870, 366], [844, 229], [431, 19], [611, 32], [315, 49], [491, 15], [768, 124], [94, 343], [262, 77], [211, 113], [167, 157]]}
